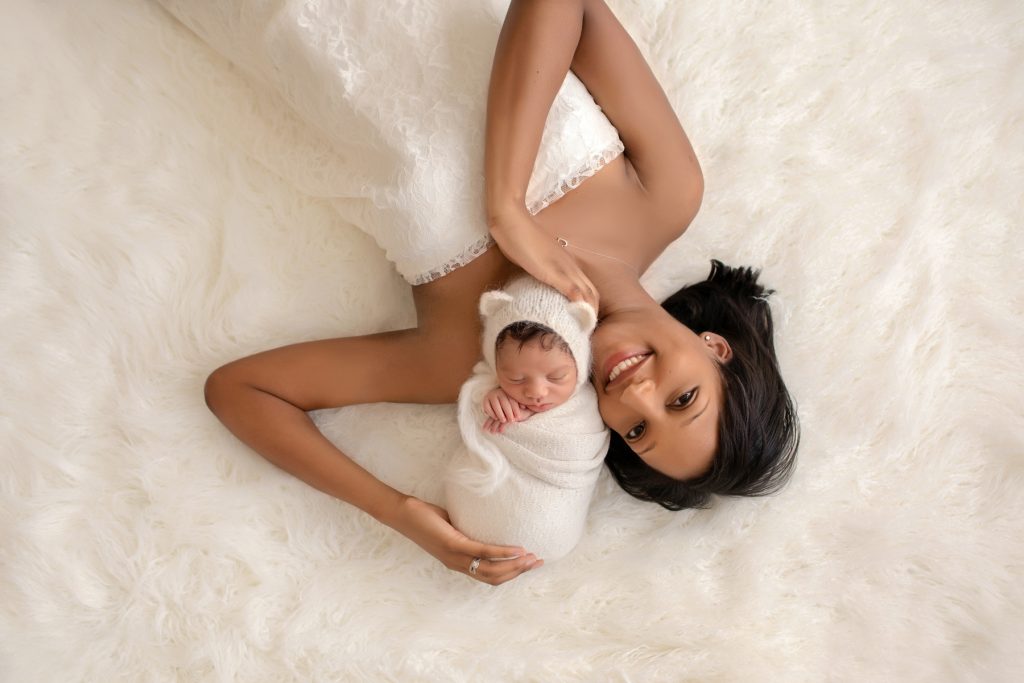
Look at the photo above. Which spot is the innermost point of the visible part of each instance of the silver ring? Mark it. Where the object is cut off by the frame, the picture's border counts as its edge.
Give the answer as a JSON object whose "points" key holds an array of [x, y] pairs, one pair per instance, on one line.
{"points": [[474, 565]]}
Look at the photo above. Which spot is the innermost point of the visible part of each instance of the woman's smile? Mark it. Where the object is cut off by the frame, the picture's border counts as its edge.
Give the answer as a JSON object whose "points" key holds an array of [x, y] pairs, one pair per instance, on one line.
{"points": [[622, 369]]}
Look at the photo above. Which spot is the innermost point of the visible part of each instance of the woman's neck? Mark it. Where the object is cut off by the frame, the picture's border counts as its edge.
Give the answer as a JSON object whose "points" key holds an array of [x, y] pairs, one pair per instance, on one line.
{"points": [[617, 284]]}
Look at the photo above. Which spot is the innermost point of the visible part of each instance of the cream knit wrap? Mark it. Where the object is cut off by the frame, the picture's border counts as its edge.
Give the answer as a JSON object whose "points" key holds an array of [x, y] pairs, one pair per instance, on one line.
{"points": [[530, 486]]}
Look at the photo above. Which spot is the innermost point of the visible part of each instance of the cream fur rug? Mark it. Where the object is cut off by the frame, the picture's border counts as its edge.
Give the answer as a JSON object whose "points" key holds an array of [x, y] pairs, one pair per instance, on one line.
{"points": [[868, 155]]}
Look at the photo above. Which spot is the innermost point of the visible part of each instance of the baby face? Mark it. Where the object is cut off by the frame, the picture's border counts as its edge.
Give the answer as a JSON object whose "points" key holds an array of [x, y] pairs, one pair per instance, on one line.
{"points": [[539, 378]]}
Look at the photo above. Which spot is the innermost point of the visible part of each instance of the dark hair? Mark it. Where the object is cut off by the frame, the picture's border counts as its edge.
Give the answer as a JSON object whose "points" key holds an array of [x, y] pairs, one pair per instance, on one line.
{"points": [[758, 431], [525, 331]]}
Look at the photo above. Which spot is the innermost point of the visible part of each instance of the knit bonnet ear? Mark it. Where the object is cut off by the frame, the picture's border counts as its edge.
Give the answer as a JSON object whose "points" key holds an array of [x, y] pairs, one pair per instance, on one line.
{"points": [[584, 315], [493, 301]]}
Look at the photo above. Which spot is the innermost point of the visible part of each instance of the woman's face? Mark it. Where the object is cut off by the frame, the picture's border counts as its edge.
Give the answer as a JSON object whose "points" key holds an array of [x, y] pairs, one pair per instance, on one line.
{"points": [[659, 387]]}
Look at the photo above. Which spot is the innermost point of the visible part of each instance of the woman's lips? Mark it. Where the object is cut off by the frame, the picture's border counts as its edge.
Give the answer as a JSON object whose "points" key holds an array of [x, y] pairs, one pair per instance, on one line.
{"points": [[617, 358]]}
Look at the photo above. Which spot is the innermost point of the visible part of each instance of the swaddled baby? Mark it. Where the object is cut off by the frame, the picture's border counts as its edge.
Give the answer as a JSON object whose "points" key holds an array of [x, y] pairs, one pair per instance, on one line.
{"points": [[533, 439]]}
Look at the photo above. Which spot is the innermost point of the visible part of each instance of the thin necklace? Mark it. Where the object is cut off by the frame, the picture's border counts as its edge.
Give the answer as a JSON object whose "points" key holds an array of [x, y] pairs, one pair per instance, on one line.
{"points": [[565, 244]]}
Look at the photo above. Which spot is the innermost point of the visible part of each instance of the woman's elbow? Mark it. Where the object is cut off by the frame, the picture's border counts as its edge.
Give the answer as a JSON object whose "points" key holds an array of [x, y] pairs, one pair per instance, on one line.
{"points": [[680, 207], [219, 388], [693, 195]]}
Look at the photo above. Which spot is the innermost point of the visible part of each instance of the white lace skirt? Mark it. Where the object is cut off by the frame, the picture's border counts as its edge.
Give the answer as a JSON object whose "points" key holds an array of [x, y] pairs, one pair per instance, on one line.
{"points": [[399, 90]]}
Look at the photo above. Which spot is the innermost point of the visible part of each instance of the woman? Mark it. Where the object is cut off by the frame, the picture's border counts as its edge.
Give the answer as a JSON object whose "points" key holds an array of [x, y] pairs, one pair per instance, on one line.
{"points": [[696, 407]]}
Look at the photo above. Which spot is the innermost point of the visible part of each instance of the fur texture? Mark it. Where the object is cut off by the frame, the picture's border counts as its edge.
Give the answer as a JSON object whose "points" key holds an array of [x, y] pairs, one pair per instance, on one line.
{"points": [[867, 155]]}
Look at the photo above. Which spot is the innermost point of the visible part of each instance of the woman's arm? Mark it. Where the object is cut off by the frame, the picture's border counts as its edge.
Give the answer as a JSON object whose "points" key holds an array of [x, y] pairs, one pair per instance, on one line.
{"points": [[608, 62], [539, 42], [535, 48], [263, 400], [533, 54]]}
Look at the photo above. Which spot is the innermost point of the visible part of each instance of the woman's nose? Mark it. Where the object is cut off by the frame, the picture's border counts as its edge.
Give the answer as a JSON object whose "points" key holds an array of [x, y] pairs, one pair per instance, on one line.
{"points": [[638, 394]]}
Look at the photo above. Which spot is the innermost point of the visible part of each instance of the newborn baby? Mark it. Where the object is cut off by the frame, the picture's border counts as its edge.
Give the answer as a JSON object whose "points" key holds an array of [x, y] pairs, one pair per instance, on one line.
{"points": [[533, 438]]}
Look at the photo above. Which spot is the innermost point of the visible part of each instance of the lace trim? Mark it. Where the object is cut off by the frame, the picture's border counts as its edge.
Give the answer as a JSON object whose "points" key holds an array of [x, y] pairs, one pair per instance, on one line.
{"points": [[452, 264], [595, 163]]}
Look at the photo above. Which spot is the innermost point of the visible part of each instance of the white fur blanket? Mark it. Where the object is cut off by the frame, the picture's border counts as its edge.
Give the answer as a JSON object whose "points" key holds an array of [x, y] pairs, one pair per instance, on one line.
{"points": [[867, 155]]}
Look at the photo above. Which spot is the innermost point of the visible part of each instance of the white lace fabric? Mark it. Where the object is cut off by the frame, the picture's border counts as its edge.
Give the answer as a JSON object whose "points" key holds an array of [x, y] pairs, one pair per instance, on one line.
{"points": [[398, 90], [553, 187]]}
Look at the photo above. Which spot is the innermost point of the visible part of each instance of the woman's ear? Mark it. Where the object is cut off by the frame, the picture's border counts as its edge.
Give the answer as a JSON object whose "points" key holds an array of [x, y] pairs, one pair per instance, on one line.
{"points": [[491, 302], [584, 315], [717, 345]]}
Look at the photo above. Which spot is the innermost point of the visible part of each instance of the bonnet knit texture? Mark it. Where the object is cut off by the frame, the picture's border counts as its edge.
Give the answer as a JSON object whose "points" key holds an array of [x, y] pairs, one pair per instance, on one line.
{"points": [[527, 299], [530, 486]]}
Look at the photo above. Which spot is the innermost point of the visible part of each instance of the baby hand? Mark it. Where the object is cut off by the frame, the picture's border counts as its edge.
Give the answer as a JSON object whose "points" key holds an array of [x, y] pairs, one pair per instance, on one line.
{"points": [[492, 426], [502, 410]]}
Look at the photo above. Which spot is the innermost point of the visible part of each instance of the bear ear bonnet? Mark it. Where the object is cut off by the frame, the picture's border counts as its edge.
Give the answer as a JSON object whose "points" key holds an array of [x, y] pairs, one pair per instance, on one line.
{"points": [[493, 301], [584, 315]]}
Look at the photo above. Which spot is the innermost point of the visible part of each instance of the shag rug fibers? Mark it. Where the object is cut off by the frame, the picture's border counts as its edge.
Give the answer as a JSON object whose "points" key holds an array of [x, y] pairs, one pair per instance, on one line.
{"points": [[868, 156]]}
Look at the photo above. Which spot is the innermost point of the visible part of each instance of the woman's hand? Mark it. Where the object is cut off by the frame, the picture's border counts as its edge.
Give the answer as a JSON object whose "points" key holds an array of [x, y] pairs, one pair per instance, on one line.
{"points": [[428, 527], [526, 244]]}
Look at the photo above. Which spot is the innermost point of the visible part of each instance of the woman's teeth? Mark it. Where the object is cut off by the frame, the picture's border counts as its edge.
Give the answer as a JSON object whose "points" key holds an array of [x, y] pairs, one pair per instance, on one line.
{"points": [[629, 362]]}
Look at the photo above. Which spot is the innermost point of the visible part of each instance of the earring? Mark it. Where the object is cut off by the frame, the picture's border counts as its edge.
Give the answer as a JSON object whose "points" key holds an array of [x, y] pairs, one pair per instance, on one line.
{"points": [[707, 337]]}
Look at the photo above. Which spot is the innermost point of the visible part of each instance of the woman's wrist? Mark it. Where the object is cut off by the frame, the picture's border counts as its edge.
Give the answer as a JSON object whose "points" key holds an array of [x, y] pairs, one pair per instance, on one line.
{"points": [[388, 511], [508, 210]]}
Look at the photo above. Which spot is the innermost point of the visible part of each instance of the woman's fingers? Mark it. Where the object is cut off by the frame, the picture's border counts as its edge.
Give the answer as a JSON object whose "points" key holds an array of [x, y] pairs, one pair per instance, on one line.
{"points": [[496, 552], [429, 526], [527, 245], [576, 286], [573, 283], [498, 564], [586, 291], [495, 571]]}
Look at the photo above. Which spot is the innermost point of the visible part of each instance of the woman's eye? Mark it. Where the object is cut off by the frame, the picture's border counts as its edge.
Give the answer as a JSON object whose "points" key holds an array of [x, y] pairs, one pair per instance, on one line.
{"points": [[636, 432], [683, 399]]}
